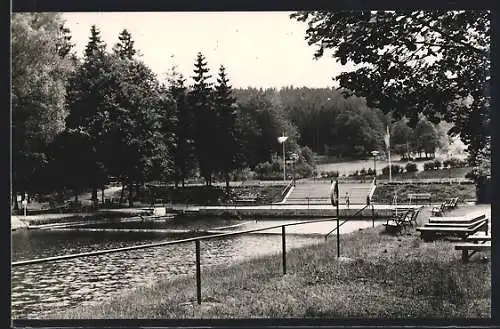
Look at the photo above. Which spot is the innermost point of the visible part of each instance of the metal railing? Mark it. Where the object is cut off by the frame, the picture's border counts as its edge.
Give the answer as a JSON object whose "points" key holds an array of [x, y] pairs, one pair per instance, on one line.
{"points": [[355, 214], [196, 240]]}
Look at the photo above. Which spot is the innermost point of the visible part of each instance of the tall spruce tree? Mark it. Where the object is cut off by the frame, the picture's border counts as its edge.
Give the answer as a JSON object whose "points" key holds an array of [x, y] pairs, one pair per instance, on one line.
{"points": [[183, 144], [125, 47], [227, 146], [205, 119]]}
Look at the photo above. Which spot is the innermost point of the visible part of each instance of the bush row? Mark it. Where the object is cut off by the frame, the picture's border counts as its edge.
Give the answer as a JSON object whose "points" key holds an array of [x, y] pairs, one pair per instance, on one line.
{"points": [[450, 163]]}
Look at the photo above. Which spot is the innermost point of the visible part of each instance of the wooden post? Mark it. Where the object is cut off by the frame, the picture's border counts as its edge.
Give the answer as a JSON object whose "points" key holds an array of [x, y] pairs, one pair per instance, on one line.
{"points": [[198, 274], [283, 242], [465, 255]]}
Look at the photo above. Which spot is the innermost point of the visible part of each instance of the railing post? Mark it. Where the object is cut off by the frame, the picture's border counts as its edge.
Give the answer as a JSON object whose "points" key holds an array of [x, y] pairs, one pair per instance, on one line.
{"points": [[283, 242], [373, 216], [198, 274]]}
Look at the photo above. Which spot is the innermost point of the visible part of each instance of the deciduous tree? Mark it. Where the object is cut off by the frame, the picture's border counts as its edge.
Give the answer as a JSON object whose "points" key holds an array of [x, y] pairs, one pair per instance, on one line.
{"points": [[40, 66], [434, 62]]}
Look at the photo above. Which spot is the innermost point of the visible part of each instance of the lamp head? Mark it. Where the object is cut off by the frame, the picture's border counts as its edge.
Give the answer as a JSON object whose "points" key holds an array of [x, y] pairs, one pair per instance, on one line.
{"points": [[282, 139]]}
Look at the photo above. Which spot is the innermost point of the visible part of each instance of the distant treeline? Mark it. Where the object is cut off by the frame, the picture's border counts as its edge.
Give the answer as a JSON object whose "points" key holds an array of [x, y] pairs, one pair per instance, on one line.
{"points": [[330, 124]]}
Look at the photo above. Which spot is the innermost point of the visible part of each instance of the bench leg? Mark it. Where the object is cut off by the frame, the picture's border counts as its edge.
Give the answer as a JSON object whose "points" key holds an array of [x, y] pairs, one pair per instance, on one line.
{"points": [[427, 237], [465, 256]]}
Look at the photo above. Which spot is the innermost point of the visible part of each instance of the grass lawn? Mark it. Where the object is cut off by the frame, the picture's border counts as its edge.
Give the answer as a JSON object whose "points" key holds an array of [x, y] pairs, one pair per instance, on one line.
{"points": [[439, 192], [385, 276]]}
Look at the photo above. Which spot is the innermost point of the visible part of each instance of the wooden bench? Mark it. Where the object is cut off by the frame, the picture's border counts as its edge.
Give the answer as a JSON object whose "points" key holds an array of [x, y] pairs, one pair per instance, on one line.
{"points": [[451, 203], [439, 210], [419, 197], [474, 247], [429, 233], [402, 220]]}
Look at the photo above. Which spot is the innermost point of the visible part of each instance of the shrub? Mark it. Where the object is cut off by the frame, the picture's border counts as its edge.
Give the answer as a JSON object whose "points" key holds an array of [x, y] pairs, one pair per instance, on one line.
{"points": [[333, 174], [308, 155], [276, 166], [411, 167], [437, 164], [446, 164], [370, 171], [457, 163], [303, 169], [396, 169], [363, 172], [428, 166], [242, 174]]}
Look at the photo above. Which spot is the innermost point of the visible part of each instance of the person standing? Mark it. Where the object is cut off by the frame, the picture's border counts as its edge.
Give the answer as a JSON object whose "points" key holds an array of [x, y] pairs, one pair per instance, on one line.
{"points": [[347, 201]]}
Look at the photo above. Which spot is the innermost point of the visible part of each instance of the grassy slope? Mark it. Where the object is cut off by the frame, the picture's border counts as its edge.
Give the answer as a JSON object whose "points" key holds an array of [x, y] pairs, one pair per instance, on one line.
{"points": [[389, 277]]}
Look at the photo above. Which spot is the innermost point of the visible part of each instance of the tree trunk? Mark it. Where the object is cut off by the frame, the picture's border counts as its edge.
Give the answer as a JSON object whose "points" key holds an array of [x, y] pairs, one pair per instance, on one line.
{"points": [[94, 195], [76, 195], [16, 204], [130, 195], [102, 194], [121, 195], [227, 181]]}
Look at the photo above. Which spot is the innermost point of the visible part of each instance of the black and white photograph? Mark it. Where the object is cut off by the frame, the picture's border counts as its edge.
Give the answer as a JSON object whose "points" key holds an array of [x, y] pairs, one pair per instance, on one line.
{"points": [[251, 165]]}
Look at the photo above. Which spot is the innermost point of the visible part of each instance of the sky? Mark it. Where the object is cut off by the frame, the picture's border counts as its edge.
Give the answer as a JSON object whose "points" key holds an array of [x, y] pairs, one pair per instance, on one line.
{"points": [[258, 49]]}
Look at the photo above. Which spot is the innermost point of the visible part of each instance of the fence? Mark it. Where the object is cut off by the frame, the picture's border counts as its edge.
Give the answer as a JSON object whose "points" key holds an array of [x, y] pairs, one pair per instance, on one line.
{"points": [[456, 180], [196, 240]]}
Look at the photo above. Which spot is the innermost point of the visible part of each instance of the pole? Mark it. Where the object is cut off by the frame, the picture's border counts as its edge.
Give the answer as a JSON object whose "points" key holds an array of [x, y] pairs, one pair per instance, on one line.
{"points": [[375, 166], [283, 243], [338, 230], [284, 164], [390, 165], [373, 216], [198, 274]]}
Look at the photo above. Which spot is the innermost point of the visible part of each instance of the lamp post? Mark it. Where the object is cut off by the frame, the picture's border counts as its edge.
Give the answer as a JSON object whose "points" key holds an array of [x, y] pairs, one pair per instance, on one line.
{"points": [[375, 153], [282, 140]]}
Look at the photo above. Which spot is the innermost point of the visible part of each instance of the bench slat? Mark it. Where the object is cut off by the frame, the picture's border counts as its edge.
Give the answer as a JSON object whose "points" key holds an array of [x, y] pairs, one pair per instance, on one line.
{"points": [[453, 229], [479, 238], [473, 246], [457, 219], [466, 225]]}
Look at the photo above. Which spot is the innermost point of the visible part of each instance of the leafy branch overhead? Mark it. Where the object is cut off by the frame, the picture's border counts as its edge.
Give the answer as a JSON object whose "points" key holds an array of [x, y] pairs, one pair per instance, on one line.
{"points": [[433, 62]]}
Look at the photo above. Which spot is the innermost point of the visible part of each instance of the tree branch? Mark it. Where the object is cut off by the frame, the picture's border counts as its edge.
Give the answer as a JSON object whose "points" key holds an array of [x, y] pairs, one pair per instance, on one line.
{"points": [[451, 38]]}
